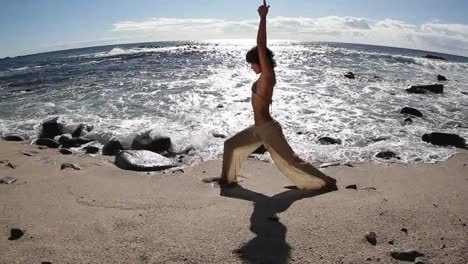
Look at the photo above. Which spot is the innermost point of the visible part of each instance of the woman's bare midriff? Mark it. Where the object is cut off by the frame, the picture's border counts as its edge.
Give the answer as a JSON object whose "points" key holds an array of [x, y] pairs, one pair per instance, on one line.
{"points": [[261, 110]]}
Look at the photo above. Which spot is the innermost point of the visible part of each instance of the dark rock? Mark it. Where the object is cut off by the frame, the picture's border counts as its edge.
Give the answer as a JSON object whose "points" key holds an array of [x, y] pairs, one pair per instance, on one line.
{"points": [[371, 237], [7, 180], [65, 151], [47, 142], [15, 234], [408, 121], [157, 144], [142, 160], [421, 89], [387, 155], [42, 147], [404, 230], [217, 135], [350, 75], [51, 128], [390, 242], [411, 111], [220, 106], [73, 142], [444, 139], [369, 188], [178, 170], [11, 165], [29, 154], [260, 150], [352, 187], [27, 90], [69, 166], [329, 141], [434, 57], [46, 262], [63, 139], [405, 255], [441, 78], [421, 260], [185, 151], [81, 130], [91, 150], [14, 137], [112, 148]]}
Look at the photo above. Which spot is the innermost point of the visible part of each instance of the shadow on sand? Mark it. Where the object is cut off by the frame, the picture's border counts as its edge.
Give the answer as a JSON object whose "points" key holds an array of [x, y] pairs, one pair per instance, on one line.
{"points": [[269, 245]]}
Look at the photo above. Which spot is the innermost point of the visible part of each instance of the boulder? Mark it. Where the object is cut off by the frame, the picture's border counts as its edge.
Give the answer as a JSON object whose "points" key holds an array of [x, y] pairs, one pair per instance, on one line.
{"points": [[405, 255], [434, 57], [411, 111], [157, 144], [112, 148], [422, 89], [47, 142], [51, 128], [350, 75], [14, 137], [441, 78], [444, 139], [143, 160], [329, 141], [91, 150]]}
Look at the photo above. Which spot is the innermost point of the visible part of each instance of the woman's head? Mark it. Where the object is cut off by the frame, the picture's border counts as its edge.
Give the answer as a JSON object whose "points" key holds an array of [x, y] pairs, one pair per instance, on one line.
{"points": [[252, 58]]}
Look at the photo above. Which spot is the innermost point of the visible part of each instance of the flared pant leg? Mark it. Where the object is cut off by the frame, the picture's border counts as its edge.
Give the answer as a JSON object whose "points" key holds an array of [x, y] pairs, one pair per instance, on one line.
{"points": [[236, 149]]}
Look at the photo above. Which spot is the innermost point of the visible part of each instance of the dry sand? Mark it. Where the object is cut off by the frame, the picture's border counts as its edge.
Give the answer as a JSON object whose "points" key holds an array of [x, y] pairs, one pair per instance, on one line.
{"points": [[101, 214]]}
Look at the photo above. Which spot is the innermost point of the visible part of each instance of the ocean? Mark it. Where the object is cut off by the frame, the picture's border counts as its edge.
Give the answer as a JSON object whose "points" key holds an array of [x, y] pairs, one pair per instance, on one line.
{"points": [[191, 91]]}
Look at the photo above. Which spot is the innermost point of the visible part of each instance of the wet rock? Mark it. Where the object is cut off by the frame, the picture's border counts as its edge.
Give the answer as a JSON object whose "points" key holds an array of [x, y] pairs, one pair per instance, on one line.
{"points": [[7, 180], [218, 135], [69, 166], [143, 160], [260, 150], [441, 78], [220, 106], [351, 187], [157, 144], [15, 234], [405, 254], [444, 139], [65, 151], [408, 121], [11, 165], [112, 148], [14, 137], [91, 150], [66, 142], [329, 141], [434, 57], [178, 171], [387, 155], [29, 154], [371, 237], [78, 130], [47, 142], [390, 242], [421, 260], [350, 75], [411, 111], [46, 262], [404, 230], [421, 89], [42, 147], [51, 128]]}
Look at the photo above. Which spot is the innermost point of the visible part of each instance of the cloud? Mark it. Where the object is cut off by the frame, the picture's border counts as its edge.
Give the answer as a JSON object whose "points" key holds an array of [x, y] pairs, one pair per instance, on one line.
{"points": [[434, 35]]}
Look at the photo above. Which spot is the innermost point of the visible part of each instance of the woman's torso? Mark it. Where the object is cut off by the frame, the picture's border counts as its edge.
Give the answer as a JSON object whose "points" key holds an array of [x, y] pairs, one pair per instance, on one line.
{"points": [[261, 106]]}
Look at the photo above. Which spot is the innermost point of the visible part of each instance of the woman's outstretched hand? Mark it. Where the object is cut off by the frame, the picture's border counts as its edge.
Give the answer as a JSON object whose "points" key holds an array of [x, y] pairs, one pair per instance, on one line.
{"points": [[263, 9]]}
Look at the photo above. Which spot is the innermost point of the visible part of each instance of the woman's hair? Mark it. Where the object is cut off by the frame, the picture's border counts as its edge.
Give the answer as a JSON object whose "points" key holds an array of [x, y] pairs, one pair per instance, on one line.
{"points": [[252, 56]]}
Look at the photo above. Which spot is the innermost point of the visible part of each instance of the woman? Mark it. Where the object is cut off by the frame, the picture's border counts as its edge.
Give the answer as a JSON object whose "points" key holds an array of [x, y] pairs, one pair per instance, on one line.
{"points": [[267, 131]]}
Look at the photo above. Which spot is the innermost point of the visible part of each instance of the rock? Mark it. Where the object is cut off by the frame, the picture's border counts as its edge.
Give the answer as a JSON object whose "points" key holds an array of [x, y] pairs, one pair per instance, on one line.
{"points": [[7, 180], [65, 151], [220, 106], [112, 148], [405, 255], [157, 144], [390, 242], [421, 260], [387, 155], [411, 111], [408, 121], [69, 166], [260, 150], [371, 237], [441, 78], [47, 142], [404, 230], [350, 75], [14, 137], [217, 135], [352, 187], [29, 154], [91, 150], [81, 130], [421, 89], [51, 128], [15, 234], [42, 147], [444, 139], [11, 165], [329, 141], [434, 57], [143, 160], [73, 142]]}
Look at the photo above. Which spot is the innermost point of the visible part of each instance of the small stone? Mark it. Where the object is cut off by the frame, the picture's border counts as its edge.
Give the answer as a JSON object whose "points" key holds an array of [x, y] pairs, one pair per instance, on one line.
{"points": [[421, 260], [47, 142], [7, 180], [441, 78], [387, 155], [404, 230], [28, 154], [405, 254], [46, 262], [218, 135], [390, 242], [42, 147], [220, 106], [443, 246], [352, 186], [15, 234], [70, 165], [350, 75], [368, 259], [65, 151], [11, 165], [178, 170], [371, 237]]}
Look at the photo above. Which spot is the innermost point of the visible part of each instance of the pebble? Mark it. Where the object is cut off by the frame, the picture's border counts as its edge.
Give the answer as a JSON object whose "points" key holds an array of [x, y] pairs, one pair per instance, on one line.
{"points": [[70, 165], [353, 186], [405, 254], [65, 151], [390, 242], [42, 147], [7, 180], [404, 230], [11, 165], [15, 234], [371, 237], [369, 188], [29, 154], [421, 260]]}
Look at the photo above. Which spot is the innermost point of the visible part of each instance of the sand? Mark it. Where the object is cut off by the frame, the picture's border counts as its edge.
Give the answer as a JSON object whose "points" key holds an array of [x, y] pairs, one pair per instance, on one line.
{"points": [[102, 214]]}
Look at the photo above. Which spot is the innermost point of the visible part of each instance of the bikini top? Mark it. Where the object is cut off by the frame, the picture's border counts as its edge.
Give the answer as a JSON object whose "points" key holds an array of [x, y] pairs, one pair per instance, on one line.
{"points": [[254, 90]]}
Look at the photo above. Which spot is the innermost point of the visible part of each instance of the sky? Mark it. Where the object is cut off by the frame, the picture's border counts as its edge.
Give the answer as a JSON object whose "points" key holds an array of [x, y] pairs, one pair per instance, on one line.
{"points": [[32, 26]]}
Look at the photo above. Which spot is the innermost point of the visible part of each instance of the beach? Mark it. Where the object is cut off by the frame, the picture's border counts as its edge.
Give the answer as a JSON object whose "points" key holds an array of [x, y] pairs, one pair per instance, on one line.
{"points": [[102, 214]]}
